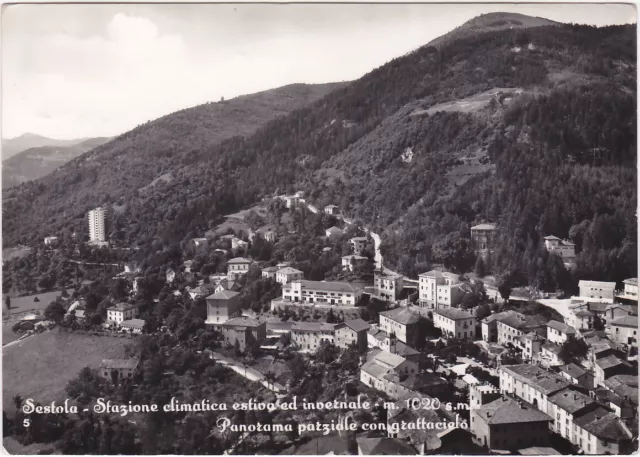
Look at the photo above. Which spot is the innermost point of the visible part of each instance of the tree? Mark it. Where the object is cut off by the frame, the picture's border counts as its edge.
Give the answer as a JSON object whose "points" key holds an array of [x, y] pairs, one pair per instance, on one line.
{"points": [[504, 287], [573, 349], [7, 302], [55, 311], [482, 311], [598, 323]]}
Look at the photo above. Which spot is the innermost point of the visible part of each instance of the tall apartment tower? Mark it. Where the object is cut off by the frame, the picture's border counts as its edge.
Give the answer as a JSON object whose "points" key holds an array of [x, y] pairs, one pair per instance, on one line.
{"points": [[97, 224]]}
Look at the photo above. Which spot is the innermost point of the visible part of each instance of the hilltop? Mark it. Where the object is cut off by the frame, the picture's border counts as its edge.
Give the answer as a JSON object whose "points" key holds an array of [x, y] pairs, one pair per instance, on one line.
{"points": [[13, 146], [532, 128]]}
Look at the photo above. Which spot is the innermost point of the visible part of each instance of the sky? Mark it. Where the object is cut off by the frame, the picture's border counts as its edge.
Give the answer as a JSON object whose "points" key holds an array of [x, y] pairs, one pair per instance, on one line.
{"points": [[89, 70]]}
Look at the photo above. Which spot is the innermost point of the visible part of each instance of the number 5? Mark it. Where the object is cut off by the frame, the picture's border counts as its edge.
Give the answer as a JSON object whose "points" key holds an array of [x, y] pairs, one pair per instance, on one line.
{"points": [[26, 422]]}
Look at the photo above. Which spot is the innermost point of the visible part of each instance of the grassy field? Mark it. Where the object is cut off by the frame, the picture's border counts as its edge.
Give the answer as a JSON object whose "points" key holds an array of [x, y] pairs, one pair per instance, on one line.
{"points": [[27, 303], [40, 366]]}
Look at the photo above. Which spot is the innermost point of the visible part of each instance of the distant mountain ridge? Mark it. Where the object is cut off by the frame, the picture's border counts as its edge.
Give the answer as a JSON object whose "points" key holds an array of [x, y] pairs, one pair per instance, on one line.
{"points": [[36, 162], [508, 129], [13, 146]]}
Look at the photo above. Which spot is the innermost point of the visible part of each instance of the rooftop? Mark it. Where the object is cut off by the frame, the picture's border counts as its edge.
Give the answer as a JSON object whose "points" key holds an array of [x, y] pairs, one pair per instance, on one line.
{"points": [[331, 286], [402, 315], [542, 380], [522, 322], [270, 269], [604, 425], [497, 316], [510, 411], [241, 322], [626, 321], [551, 238], [389, 359], [611, 361], [223, 295], [354, 256], [561, 327], [384, 446], [289, 271], [603, 284], [136, 323], [631, 281], [312, 327], [573, 370], [538, 450], [122, 306], [334, 229], [571, 401], [484, 227], [359, 238], [114, 364], [237, 260], [453, 313], [357, 325]]}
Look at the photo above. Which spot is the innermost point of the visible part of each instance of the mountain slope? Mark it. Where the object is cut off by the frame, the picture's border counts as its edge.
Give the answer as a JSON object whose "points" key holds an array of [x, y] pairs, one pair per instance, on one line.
{"points": [[491, 22], [507, 119], [13, 146], [36, 162]]}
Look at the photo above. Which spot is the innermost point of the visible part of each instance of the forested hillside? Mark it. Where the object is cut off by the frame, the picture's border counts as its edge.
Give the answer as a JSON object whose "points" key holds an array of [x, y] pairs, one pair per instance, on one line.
{"points": [[552, 150]]}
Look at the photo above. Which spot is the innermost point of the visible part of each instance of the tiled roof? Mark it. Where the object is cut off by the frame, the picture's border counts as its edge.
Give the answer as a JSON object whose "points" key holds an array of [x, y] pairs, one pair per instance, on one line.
{"points": [[573, 370], [537, 377], [270, 269], [357, 325], [552, 347], [122, 307], [312, 327], [359, 238], [571, 401], [239, 260], [601, 284], [522, 322], [538, 450], [432, 274], [583, 313], [402, 315], [551, 238], [622, 379], [331, 286], [135, 323], [375, 369], [404, 350], [223, 295], [384, 446], [453, 313], [631, 281], [509, 411], [119, 364], [626, 321], [498, 316], [598, 307], [241, 321], [387, 358], [484, 227], [610, 361], [561, 327], [604, 425], [289, 271]]}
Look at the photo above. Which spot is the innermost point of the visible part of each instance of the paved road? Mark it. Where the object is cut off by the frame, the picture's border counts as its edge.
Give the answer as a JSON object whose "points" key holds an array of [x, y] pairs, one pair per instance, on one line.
{"points": [[247, 372]]}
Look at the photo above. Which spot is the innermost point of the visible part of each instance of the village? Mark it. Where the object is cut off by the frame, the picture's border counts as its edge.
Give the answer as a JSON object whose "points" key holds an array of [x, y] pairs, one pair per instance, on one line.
{"points": [[541, 375]]}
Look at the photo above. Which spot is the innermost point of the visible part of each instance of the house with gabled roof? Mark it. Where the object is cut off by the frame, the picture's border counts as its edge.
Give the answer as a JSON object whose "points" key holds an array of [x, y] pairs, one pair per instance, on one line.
{"points": [[222, 306], [333, 232], [455, 323], [600, 431], [244, 331], [238, 267], [624, 330], [568, 404], [437, 289], [601, 291], [402, 322], [352, 332], [382, 363], [506, 423], [563, 248], [577, 375], [287, 274], [309, 336], [609, 366], [559, 332]]}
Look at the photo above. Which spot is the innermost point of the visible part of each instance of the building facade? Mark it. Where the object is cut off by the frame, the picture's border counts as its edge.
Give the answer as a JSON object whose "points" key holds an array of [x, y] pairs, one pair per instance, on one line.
{"points": [[483, 236], [97, 225], [624, 330], [286, 275], [352, 332], [243, 330], [401, 322], [308, 336], [455, 323], [122, 312], [559, 333], [563, 248], [597, 290], [387, 286], [323, 292], [238, 267], [223, 306], [439, 289]]}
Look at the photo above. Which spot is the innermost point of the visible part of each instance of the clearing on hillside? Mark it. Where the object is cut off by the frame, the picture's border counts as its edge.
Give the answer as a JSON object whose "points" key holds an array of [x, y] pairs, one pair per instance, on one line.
{"points": [[40, 366]]}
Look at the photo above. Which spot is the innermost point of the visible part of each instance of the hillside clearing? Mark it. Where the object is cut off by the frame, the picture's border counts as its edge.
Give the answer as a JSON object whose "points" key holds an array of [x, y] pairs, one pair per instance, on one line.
{"points": [[471, 104], [40, 366]]}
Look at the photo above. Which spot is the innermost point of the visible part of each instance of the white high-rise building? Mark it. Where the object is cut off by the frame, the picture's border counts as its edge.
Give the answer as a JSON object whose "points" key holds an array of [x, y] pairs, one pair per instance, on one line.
{"points": [[97, 224]]}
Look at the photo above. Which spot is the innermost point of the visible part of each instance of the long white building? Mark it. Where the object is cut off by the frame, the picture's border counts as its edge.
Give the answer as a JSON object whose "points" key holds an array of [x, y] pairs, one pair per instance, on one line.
{"points": [[322, 292], [97, 224]]}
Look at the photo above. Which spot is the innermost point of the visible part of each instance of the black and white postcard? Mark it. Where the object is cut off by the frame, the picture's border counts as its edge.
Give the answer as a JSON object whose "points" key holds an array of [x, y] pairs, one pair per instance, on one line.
{"points": [[319, 229]]}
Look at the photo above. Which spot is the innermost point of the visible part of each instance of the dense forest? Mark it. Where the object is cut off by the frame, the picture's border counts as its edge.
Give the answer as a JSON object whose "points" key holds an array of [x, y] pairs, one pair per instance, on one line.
{"points": [[556, 156]]}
